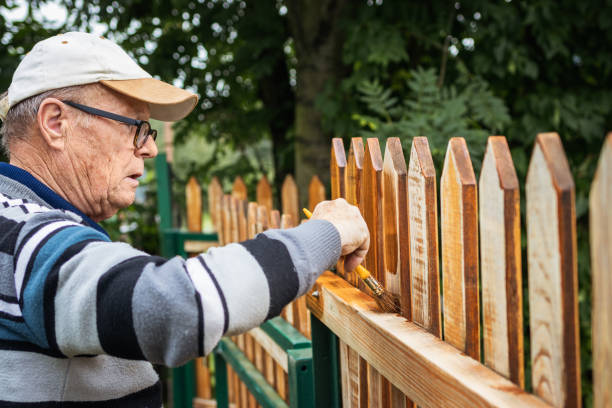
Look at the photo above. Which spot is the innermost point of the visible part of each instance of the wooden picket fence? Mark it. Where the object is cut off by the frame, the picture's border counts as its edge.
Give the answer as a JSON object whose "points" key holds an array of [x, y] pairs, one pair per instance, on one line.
{"points": [[454, 291]]}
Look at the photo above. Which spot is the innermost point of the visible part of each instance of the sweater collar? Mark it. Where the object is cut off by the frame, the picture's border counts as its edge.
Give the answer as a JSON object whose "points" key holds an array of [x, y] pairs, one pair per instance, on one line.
{"points": [[45, 193]]}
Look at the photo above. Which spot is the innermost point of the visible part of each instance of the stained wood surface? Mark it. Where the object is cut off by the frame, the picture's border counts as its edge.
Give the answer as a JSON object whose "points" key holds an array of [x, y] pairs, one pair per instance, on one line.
{"points": [[372, 207], [353, 188], [264, 194], [239, 189], [428, 370], [275, 219], [193, 199], [215, 193], [396, 257], [263, 219], [241, 207], [289, 198], [459, 224], [553, 281], [227, 219], [423, 230], [316, 192], [337, 168], [601, 265], [500, 257], [251, 220]]}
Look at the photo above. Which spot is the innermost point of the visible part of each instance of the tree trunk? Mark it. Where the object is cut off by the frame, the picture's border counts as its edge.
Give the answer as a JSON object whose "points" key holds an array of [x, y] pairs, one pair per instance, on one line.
{"points": [[318, 42]]}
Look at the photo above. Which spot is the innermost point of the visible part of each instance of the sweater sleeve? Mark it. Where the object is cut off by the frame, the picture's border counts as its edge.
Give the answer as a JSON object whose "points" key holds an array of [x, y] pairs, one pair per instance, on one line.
{"points": [[83, 295]]}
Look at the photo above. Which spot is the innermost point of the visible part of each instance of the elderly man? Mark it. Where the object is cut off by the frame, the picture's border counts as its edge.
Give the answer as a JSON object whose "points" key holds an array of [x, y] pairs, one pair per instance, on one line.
{"points": [[82, 318]]}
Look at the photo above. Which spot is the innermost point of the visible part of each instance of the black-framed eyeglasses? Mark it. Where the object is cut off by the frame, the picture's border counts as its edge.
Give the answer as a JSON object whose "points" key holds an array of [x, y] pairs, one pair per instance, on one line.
{"points": [[143, 128]]}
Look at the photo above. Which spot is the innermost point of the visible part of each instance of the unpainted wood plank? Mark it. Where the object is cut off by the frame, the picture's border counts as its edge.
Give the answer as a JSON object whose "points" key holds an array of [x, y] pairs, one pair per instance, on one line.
{"points": [[239, 189], [396, 257], [226, 219], [424, 286], [193, 198], [235, 228], [250, 354], [203, 385], [251, 220], [270, 347], [264, 193], [500, 259], [215, 194], [316, 192], [275, 219], [459, 225], [428, 370], [600, 220], [372, 207], [552, 273], [241, 207], [289, 197], [262, 219], [286, 222]]}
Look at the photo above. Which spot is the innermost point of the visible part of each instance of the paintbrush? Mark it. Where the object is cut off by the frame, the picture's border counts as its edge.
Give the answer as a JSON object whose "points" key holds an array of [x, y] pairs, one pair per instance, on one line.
{"points": [[384, 299]]}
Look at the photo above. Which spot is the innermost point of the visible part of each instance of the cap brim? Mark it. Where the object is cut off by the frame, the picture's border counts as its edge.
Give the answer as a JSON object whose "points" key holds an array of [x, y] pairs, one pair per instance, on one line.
{"points": [[167, 102]]}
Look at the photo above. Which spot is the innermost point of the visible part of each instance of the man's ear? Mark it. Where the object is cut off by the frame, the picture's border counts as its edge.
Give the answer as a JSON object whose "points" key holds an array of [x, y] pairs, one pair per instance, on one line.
{"points": [[52, 121]]}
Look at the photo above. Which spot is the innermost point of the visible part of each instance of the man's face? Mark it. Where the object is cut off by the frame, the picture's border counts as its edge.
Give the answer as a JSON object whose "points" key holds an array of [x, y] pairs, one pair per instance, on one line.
{"points": [[103, 155]]}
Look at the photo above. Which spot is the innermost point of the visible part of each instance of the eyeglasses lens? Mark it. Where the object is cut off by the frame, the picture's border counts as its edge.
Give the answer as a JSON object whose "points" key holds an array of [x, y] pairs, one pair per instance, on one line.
{"points": [[143, 135]]}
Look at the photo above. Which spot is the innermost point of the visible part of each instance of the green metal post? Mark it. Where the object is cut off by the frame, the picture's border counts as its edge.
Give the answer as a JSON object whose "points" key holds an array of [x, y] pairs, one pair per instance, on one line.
{"points": [[220, 380], [164, 206], [325, 361], [301, 380]]}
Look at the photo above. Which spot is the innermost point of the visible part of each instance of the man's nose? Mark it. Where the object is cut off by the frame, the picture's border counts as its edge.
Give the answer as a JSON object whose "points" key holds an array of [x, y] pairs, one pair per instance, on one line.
{"points": [[148, 150]]}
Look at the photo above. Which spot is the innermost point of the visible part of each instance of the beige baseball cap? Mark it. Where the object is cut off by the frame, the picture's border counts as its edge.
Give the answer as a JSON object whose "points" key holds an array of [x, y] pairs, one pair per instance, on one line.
{"points": [[81, 58]]}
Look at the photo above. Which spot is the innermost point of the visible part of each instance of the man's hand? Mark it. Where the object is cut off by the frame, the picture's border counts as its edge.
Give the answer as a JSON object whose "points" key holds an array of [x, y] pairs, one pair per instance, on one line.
{"points": [[354, 234]]}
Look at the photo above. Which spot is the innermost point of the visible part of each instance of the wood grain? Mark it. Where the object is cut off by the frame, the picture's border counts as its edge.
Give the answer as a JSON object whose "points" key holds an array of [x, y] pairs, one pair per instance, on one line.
{"points": [[215, 193], [289, 198], [500, 257], [226, 219], [193, 199], [396, 257], [423, 213], [601, 265], [316, 192], [428, 370], [354, 186], [263, 193], [337, 168], [239, 189], [241, 207], [459, 224], [553, 280], [251, 220], [372, 207]]}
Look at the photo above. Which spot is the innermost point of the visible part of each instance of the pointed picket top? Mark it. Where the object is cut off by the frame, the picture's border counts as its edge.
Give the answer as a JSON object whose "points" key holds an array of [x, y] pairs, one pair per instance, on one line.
{"points": [[316, 192], [337, 167], [553, 280], [396, 257], [193, 198], [239, 189], [372, 206], [264, 193], [600, 227], [423, 212], [215, 192], [500, 259], [289, 197], [459, 221], [252, 220]]}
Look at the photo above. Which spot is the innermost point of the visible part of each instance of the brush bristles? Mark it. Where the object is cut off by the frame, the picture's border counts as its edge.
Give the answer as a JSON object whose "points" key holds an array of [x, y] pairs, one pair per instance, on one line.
{"points": [[387, 302]]}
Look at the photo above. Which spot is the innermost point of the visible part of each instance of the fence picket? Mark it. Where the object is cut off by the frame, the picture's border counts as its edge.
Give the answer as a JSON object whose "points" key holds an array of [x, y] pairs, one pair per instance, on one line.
{"points": [[193, 198], [289, 198], [500, 257], [215, 192], [239, 189], [337, 167], [396, 257], [551, 254], [264, 193], [601, 261], [353, 187], [316, 192], [460, 249], [372, 206], [423, 213]]}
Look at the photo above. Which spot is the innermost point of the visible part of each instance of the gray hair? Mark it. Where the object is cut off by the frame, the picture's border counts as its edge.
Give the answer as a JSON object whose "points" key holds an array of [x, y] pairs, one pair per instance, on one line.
{"points": [[20, 118]]}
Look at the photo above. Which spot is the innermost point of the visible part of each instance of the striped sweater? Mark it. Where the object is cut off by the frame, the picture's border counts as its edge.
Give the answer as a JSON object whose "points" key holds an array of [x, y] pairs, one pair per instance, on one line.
{"points": [[82, 318]]}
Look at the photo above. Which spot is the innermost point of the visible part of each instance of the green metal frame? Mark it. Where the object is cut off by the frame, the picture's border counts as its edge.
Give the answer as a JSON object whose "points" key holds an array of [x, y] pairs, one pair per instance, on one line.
{"points": [[299, 367]]}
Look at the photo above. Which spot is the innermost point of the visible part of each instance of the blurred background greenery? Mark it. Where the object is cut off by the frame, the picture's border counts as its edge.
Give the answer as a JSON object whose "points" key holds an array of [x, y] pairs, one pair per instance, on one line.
{"points": [[279, 78]]}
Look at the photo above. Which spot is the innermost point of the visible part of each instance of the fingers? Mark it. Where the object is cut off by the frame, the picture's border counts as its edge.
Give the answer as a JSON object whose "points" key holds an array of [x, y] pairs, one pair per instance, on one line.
{"points": [[354, 234]]}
